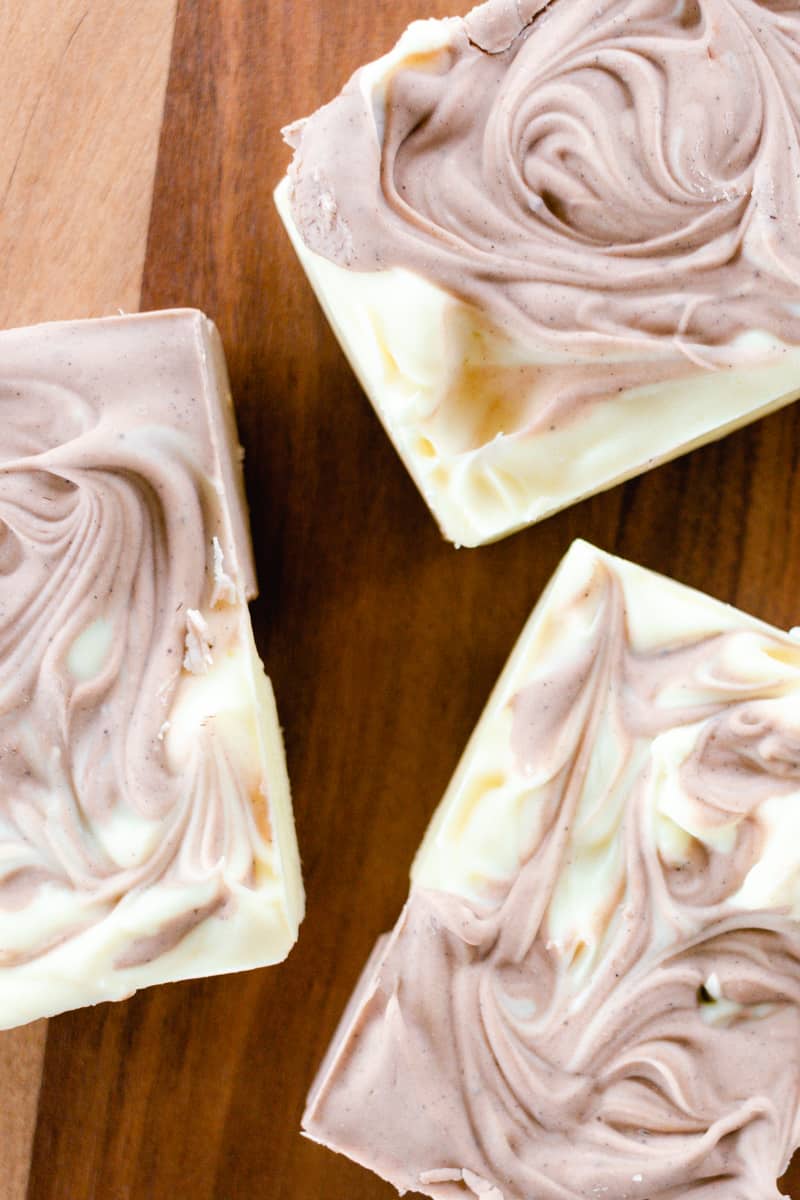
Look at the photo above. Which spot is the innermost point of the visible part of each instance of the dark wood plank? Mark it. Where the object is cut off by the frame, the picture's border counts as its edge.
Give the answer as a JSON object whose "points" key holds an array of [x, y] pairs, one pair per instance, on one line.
{"points": [[381, 640]]}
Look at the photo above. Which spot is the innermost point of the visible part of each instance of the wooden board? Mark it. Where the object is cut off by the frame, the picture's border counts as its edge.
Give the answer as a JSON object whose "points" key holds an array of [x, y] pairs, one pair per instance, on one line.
{"points": [[382, 641]]}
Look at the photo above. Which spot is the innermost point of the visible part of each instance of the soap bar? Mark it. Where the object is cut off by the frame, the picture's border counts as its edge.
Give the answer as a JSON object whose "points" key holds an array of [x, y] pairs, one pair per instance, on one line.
{"points": [[146, 829], [594, 987], [559, 243]]}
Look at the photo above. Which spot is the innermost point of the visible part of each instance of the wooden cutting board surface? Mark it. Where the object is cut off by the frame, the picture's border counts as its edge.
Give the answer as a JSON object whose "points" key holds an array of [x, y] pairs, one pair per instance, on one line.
{"points": [[381, 640]]}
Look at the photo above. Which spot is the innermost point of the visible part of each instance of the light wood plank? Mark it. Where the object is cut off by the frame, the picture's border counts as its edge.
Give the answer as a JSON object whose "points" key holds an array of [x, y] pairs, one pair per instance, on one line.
{"points": [[21, 1059], [80, 114]]}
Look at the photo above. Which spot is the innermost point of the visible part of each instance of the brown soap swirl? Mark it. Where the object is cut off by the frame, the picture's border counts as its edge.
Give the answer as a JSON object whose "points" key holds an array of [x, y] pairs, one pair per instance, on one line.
{"points": [[475, 1062], [112, 489], [616, 174]]}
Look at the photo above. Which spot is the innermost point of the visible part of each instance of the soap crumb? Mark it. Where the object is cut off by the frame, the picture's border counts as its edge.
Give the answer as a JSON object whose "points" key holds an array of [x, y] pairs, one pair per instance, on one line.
{"points": [[224, 588], [713, 986], [480, 1187], [198, 657]]}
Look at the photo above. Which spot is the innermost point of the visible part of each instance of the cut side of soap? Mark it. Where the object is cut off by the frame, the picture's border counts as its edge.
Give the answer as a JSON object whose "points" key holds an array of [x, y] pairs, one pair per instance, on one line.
{"points": [[146, 830], [452, 394], [529, 330], [594, 988]]}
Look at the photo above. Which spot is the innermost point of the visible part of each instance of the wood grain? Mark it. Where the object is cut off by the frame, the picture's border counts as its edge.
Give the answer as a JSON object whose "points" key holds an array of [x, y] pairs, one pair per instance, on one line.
{"points": [[21, 1060], [382, 641], [80, 112], [82, 96]]}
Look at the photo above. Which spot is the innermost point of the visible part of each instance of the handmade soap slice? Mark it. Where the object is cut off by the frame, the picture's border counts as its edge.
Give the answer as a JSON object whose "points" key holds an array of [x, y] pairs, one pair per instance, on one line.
{"points": [[594, 988], [146, 829], [560, 247]]}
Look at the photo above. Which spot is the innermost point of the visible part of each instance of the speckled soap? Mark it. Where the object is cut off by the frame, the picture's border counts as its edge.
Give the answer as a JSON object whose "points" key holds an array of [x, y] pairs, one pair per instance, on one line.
{"points": [[558, 242], [146, 831], [594, 988]]}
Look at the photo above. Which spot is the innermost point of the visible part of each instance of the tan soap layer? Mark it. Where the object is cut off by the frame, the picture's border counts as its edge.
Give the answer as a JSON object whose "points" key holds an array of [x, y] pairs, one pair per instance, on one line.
{"points": [[594, 988], [146, 831]]}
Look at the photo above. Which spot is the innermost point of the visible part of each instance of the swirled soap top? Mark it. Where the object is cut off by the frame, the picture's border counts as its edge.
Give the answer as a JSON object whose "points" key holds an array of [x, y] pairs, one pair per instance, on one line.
{"points": [[617, 171], [137, 810], [594, 989]]}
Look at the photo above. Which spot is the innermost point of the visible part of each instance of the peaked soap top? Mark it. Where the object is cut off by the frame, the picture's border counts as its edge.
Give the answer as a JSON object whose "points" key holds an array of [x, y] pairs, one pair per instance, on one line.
{"points": [[613, 173]]}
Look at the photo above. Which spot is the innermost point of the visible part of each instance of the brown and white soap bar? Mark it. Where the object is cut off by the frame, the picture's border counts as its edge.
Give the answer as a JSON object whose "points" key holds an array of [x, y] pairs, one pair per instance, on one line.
{"points": [[558, 242], [146, 830], [594, 988]]}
